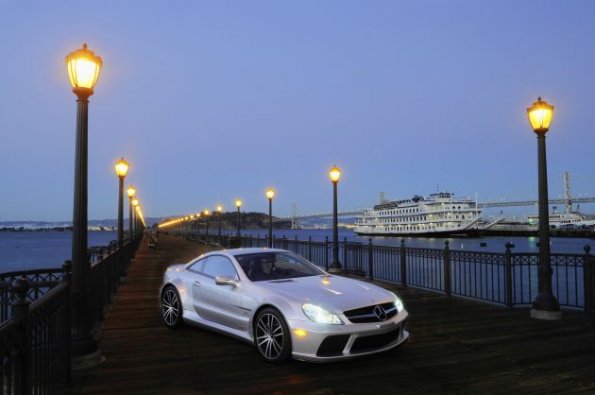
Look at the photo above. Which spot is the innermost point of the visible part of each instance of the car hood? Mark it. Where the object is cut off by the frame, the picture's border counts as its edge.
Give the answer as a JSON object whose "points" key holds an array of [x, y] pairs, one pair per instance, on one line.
{"points": [[334, 293]]}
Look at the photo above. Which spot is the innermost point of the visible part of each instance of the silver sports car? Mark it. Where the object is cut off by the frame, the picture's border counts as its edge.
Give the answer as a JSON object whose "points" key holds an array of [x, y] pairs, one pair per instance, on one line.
{"points": [[283, 304]]}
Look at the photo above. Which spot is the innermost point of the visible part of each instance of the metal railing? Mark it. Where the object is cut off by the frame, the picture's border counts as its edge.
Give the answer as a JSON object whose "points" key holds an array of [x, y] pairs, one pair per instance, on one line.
{"points": [[508, 279], [35, 310]]}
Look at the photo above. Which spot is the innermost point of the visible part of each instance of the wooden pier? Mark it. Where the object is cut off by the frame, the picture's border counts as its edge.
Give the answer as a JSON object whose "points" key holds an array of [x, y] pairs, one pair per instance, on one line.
{"points": [[456, 346]]}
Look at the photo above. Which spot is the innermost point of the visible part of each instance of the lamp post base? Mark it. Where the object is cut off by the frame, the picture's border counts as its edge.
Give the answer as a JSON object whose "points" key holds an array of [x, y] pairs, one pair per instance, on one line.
{"points": [[546, 315], [546, 307], [335, 268], [86, 354]]}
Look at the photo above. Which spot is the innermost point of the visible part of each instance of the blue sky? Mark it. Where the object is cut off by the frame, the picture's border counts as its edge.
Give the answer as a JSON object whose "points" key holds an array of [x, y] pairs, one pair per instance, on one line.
{"points": [[213, 100]]}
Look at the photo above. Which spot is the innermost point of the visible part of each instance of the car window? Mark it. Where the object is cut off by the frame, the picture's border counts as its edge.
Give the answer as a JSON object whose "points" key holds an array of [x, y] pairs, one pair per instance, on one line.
{"points": [[218, 265], [198, 265], [265, 266]]}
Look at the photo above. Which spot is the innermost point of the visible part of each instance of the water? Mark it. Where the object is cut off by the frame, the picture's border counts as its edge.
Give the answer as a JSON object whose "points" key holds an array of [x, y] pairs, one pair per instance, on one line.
{"points": [[492, 244], [34, 250]]}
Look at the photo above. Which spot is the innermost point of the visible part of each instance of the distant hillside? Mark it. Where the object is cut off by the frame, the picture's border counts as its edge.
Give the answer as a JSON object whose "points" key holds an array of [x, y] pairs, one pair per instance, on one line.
{"points": [[248, 220]]}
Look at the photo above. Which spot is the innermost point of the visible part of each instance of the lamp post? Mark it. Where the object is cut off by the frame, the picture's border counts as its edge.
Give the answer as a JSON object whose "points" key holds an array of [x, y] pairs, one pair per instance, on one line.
{"points": [[545, 306], [135, 227], [219, 212], [335, 266], [83, 71], [238, 206], [131, 191], [270, 193], [207, 212], [198, 215], [121, 171], [139, 219]]}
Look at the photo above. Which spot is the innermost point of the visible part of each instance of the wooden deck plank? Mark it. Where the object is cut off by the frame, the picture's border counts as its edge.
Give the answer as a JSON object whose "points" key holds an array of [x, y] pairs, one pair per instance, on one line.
{"points": [[456, 346]]}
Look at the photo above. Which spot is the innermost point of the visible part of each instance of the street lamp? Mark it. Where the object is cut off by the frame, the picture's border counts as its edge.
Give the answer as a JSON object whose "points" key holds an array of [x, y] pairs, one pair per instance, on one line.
{"points": [[270, 193], [207, 212], [83, 71], [134, 205], [335, 267], [198, 215], [545, 306], [131, 191], [219, 212], [238, 206], [121, 171]]}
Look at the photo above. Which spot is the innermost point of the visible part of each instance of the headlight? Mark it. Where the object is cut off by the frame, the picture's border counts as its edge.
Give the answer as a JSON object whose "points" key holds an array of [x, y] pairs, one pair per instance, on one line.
{"points": [[399, 304], [320, 315]]}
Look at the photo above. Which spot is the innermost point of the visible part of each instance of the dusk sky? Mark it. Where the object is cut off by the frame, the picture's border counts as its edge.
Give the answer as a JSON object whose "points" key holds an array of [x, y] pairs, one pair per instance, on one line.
{"points": [[215, 100]]}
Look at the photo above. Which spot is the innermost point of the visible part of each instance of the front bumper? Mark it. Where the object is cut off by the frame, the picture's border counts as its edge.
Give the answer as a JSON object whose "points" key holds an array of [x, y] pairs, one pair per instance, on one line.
{"points": [[326, 343]]}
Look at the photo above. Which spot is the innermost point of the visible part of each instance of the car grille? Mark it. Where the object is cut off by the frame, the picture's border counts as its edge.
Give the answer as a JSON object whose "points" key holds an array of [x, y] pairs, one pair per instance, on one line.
{"points": [[332, 346], [366, 314], [374, 342]]}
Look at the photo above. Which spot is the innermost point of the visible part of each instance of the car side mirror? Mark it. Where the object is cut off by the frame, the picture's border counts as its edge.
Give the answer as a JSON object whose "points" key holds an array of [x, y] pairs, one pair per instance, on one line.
{"points": [[225, 280]]}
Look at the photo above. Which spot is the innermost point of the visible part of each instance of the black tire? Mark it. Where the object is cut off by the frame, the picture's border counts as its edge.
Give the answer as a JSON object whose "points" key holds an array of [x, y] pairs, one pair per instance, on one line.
{"points": [[271, 336], [171, 307]]}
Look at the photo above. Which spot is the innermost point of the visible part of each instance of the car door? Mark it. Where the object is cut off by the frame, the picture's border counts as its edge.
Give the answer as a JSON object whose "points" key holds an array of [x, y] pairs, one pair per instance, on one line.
{"points": [[224, 304], [194, 280]]}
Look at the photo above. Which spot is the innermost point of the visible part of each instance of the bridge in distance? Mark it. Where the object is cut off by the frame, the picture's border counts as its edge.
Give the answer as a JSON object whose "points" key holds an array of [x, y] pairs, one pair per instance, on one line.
{"points": [[480, 205]]}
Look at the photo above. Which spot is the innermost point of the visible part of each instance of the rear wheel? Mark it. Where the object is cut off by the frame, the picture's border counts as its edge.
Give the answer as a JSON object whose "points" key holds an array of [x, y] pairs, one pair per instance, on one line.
{"points": [[271, 336], [171, 307]]}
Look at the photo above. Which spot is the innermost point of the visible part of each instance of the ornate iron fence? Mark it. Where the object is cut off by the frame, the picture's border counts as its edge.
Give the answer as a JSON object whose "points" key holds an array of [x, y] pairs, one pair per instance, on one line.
{"points": [[35, 307], [508, 279]]}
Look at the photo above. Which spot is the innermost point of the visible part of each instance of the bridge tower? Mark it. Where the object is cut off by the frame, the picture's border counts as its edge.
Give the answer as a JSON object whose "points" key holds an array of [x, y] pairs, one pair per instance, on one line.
{"points": [[567, 194], [294, 224]]}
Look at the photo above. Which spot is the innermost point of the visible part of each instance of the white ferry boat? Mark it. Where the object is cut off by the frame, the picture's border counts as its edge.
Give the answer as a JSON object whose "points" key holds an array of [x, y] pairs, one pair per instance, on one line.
{"points": [[569, 219], [440, 213]]}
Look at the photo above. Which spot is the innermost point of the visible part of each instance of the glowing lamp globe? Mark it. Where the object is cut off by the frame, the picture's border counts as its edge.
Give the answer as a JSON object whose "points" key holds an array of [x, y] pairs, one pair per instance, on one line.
{"points": [[83, 70], [131, 191], [540, 115], [135, 202], [238, 203], [207, 212], [219, 208], [270, 193], [334, 174], [122, 168]]}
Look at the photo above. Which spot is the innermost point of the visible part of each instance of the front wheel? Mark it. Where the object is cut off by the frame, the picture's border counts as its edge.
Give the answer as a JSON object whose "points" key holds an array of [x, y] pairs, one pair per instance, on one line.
{"points": [[171, 307], [271, 336]]}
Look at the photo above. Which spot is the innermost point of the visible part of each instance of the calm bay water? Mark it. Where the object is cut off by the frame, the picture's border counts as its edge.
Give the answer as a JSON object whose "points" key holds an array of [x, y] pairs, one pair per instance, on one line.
{"points": [[31, 250], [492, 244]]}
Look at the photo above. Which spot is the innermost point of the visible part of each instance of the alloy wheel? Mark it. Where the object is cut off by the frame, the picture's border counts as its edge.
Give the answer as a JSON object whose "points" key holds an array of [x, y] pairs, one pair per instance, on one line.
{"points": [[270, 336], [170, 307]]}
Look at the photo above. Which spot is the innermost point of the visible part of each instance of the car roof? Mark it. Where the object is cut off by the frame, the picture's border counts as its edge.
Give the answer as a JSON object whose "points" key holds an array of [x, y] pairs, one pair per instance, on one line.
{"points": [[232, 252], [249, 250]]}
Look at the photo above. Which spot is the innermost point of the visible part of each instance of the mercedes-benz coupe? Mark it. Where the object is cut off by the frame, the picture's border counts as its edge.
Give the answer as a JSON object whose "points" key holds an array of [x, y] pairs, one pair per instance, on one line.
{"points": [[283, 304]]}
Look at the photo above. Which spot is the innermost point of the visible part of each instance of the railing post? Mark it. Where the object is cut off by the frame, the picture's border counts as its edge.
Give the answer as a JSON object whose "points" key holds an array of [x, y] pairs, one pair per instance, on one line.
{"points": [[370, 259], [284, 242], [20, 311], [403, 264], [345, 255], [325, 252], [67, 268], [273, 243], [588, 284], [508, 268], [446, 268], [310, 248]]}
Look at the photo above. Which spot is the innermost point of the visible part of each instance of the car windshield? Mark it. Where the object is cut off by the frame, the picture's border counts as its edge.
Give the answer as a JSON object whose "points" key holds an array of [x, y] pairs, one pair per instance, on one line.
{"points": [[265, 266]]}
